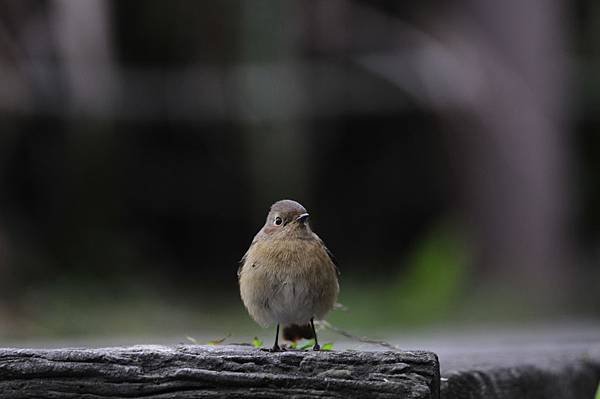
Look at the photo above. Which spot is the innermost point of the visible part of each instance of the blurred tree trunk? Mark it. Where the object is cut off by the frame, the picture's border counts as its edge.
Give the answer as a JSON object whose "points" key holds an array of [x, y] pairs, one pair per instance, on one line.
{"points": [[496, 73], [276, 140], [509, 136], [82, 31]]}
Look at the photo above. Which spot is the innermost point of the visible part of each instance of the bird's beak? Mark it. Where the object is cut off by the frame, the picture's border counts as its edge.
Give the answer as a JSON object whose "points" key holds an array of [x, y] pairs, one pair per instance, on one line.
{"points": [[302, 218]]}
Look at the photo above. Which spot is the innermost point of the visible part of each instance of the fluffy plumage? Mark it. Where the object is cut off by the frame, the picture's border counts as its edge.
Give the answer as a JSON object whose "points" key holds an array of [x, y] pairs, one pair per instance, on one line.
{"points": [[288, 276]]}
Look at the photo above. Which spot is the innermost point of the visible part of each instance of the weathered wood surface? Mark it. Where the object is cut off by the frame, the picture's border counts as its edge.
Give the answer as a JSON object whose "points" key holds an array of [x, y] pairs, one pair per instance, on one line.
{"points": [[232, 371], [558, 371]]}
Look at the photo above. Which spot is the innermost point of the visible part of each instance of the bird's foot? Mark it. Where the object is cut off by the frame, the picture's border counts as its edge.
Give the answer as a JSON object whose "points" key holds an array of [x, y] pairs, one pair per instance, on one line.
{"points": [[317, 347], [276, 348]]}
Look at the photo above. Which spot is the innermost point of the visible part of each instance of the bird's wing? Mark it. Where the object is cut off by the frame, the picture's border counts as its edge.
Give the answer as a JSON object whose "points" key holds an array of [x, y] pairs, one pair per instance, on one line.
{"points": [[243, 260], [333, 260], [241, 266], [330, 254]]}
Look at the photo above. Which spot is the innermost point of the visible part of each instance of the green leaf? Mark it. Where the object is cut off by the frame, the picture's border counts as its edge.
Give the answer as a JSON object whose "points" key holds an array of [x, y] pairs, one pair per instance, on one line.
{"points": [[218, 341], [294, 345], [327, 346], [257, 343], [598, 392], [192, 340], [308, 344]]}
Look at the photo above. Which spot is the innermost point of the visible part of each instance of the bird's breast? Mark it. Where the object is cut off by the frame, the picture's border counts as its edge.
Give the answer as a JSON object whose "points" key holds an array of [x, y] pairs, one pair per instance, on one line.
{"points": [[287, 279], [290, 256]]}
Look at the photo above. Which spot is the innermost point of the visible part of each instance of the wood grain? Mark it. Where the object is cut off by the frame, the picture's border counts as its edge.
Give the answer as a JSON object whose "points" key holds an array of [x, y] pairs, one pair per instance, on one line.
{"points": [[232, 371]]}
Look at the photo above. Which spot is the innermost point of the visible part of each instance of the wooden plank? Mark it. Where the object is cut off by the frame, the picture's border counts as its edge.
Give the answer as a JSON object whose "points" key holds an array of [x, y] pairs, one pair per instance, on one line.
{"points": [[190, 371], [557, 371]]}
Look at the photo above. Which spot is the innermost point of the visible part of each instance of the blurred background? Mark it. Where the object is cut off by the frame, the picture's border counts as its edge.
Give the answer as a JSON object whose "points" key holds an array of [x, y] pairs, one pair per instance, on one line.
{"points": [[449, 155]]}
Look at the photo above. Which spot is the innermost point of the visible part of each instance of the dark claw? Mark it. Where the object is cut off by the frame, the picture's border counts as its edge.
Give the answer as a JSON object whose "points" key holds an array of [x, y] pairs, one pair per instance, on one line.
{"points": [[276, 348], [317, 347]]}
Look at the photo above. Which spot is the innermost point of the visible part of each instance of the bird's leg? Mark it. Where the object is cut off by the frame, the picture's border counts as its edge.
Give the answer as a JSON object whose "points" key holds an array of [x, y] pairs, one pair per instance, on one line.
{"points": [[276, 347], [317, 346]]}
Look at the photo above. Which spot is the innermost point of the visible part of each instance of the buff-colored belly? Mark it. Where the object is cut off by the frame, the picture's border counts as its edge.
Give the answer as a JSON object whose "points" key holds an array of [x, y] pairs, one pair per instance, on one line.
{"points": [[289, 289]]}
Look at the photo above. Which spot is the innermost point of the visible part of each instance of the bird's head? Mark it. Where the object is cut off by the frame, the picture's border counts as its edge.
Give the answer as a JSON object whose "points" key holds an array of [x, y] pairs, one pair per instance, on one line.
{"points": [[286, 216]]}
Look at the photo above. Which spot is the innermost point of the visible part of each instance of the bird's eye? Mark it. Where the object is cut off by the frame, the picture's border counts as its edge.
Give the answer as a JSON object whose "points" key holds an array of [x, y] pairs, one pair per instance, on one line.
{"points": [[278, 221]]}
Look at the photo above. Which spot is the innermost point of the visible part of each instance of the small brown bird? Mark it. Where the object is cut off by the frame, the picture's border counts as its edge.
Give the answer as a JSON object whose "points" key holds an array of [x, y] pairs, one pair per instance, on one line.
{"points": [[288, 277]]}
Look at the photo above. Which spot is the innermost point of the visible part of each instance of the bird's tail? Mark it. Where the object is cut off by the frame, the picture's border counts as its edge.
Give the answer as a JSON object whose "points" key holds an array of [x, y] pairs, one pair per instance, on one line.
{"points": [[295, 332]]}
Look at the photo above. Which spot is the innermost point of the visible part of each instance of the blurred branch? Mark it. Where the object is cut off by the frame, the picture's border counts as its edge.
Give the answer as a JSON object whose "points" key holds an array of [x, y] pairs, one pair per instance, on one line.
{"points": [[199, 93], [353, 337]]}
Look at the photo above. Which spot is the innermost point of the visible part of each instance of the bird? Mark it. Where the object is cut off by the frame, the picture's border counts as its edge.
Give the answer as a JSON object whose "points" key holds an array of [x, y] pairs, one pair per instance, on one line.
{"points": [[288, 277]]}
